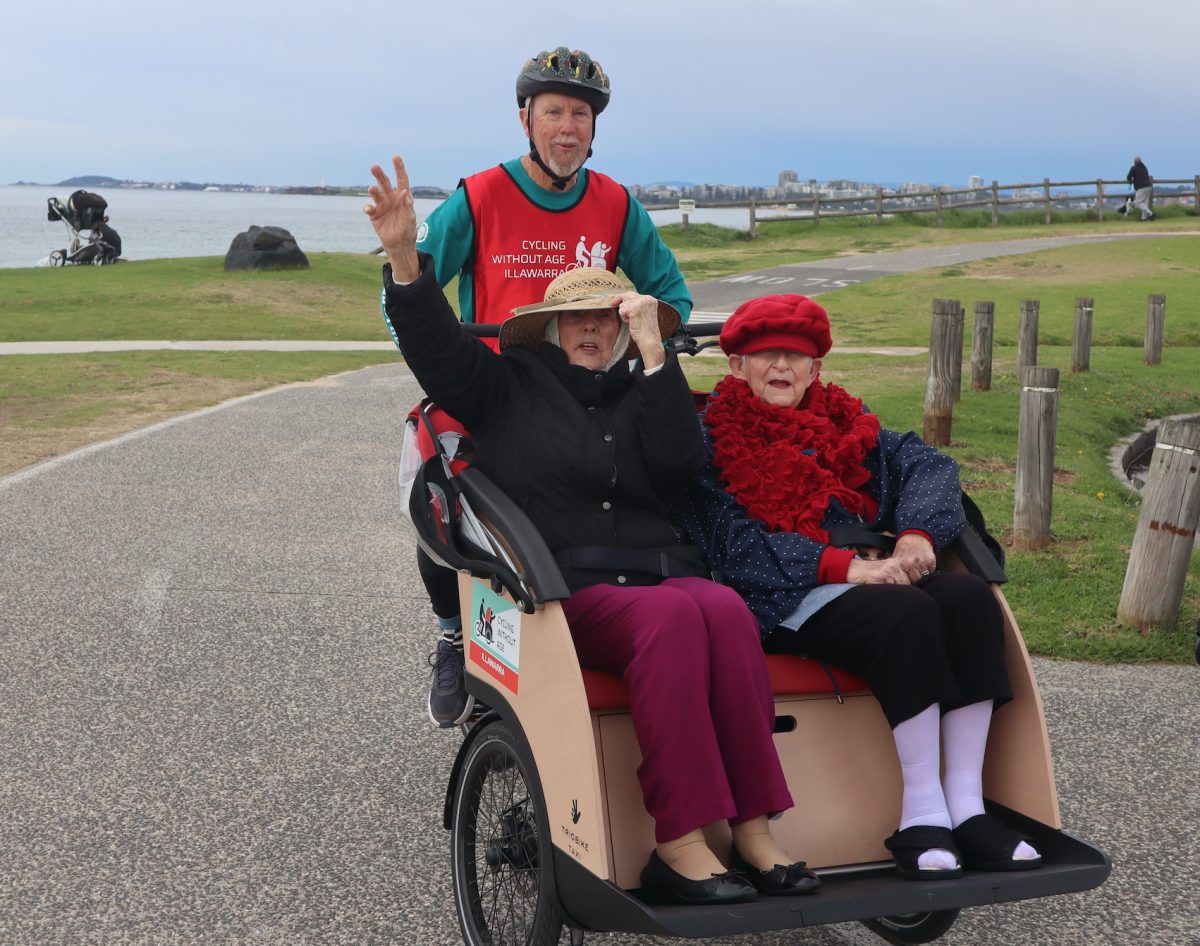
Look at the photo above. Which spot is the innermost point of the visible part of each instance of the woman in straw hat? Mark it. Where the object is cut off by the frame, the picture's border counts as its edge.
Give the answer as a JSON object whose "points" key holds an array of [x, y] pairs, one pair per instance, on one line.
{"points": [[589, 448], [800, 474]]}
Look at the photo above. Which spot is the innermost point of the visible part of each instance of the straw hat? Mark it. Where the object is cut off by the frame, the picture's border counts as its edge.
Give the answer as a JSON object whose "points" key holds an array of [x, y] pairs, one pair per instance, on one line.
{"points": [[584, 289]]}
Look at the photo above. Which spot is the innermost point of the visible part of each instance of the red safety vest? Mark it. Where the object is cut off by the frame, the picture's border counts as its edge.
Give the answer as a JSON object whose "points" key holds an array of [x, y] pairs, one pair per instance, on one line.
{"points": [[520, 247]]}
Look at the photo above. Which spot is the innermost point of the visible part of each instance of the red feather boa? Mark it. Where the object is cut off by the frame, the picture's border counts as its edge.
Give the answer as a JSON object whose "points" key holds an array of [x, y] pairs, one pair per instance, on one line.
{"points": [[785, 465]]}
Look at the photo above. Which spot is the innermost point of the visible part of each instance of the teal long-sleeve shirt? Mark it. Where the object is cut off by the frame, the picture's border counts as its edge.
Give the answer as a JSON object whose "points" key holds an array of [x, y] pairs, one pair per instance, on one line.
{"points": [[448, 235]]}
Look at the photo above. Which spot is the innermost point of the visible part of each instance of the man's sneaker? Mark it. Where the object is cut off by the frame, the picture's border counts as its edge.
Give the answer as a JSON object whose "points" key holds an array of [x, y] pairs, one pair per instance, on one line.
{"points": [[449, 702]]}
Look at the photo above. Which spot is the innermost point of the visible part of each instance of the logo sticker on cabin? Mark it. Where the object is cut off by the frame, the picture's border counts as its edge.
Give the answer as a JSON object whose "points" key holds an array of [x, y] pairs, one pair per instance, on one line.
{"points": [[495, 642]]}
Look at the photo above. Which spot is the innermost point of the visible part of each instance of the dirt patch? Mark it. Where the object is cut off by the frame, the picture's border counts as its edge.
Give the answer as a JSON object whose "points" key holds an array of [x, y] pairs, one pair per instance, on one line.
{"points": [[1081, 269], [321, 298], [34, 429]]}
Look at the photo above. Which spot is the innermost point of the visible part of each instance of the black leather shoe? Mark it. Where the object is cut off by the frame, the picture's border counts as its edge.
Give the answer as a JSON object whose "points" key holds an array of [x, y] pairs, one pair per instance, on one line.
{"points": [[663, 885], [782, 880]]}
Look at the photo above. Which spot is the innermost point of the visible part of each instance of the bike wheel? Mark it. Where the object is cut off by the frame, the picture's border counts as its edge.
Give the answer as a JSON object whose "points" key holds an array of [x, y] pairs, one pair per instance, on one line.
{"points": [[501, 862], [909, 928]]}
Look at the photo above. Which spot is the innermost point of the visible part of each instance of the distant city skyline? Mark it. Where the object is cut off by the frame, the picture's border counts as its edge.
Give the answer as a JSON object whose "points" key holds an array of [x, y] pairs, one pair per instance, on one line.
{"points": [[267, 94]]}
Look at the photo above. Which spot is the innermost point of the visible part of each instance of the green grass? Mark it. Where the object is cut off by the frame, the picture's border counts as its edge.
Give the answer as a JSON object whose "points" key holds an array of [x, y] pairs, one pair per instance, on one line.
{"points": [[50, 404], [337, 299], [1118, 277]]}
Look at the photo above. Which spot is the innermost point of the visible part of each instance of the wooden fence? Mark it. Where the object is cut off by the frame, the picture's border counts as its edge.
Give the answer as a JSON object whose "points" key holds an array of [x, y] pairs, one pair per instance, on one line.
{"points": [[1170, 513], [1045, 195]]}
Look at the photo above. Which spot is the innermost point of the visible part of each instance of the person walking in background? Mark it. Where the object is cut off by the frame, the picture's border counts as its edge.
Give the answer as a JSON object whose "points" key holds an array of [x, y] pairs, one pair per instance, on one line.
{"points": [[507, 232], [1143, 190]]}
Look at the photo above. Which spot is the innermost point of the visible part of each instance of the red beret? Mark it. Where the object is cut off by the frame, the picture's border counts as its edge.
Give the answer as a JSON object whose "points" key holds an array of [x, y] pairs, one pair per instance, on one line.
{"points": [[790, 322]]}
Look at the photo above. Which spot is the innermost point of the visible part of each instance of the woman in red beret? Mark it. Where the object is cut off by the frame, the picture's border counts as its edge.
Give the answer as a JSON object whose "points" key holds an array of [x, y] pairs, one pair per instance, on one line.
{"points": [[801, 483]]}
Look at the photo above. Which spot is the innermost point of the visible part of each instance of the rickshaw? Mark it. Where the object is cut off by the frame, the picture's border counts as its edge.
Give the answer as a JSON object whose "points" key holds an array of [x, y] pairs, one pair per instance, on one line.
{"points": [[547, 825]]}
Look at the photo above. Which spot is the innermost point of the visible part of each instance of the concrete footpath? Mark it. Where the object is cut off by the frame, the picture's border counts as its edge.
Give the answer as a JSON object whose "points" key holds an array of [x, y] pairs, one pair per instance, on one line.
{"points": [[212, 720]]}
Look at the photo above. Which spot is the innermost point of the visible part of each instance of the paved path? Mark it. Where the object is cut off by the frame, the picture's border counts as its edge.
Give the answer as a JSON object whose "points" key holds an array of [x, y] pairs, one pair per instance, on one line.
{"points": [[211, 706]]}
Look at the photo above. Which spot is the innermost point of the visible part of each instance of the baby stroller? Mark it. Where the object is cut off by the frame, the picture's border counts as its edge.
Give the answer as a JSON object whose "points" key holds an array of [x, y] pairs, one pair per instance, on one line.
{"points": [[81, 211]]}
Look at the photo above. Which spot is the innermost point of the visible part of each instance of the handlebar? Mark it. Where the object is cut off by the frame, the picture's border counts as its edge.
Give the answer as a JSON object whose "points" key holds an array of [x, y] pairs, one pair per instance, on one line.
{"points": [[682, 341]]}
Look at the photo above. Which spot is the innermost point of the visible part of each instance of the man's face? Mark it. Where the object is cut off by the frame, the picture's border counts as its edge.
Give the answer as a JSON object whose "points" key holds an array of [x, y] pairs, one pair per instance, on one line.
{"points": [[561, 129], [778, 376]]}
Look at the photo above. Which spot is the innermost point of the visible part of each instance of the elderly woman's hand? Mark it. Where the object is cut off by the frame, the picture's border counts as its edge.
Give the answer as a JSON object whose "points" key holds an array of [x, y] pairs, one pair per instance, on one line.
{"points": [[915, 555], [395, 220], [883, 571], [641, 312]]}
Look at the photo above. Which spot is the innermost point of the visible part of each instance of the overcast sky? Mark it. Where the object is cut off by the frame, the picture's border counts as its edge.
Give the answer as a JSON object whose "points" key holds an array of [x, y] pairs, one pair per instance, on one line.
{"points": [[265, 92]]}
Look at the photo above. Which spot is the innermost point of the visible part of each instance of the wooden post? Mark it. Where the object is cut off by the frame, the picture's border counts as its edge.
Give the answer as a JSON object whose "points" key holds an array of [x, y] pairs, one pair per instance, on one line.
{"points": [[995, 203], [1156, 313], [684, 225], [1166, 529], [1081, 351], [1036, 433], [956, 351], [981, 346], [1046, 197], [1027, 336], [1099, 199], [753, 222], [816, 206], [939, 389], [937, 205], [879, 205], [1196, 203]]}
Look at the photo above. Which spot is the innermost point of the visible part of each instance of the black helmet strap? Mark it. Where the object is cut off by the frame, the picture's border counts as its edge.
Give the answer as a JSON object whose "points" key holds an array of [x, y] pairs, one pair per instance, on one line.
{"points": [[560, 183]]}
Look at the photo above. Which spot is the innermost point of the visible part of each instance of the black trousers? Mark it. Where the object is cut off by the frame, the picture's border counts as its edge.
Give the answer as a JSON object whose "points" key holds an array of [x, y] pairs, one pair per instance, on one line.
{"points": [[938, 641], [441, 583]]}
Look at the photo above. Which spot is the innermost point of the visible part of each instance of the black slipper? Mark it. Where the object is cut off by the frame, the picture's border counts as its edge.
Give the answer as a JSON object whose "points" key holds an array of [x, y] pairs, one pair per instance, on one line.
{"points": [[782, 880], [908, 845], [987, 843]]}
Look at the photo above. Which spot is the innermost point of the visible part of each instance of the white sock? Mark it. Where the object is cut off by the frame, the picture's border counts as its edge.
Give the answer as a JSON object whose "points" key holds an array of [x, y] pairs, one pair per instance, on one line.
{"points": [[964, 741], [922, 802]]}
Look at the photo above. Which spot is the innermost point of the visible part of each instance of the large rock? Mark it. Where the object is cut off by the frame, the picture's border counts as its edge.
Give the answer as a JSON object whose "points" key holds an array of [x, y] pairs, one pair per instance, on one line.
{"points": [[265, 248]]}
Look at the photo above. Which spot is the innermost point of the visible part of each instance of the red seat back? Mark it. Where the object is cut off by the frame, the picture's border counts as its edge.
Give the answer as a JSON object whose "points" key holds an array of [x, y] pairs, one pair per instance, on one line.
{"points": [[790, 676]]}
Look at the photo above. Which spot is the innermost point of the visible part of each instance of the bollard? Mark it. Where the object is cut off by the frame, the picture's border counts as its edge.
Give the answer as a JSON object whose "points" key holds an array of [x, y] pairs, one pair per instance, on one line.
{"points": [[939, 387], [1036, 434], [1027, 336], [1081, 350], [1166, 530], [1156, 316], [956, 349], [981, 346]]}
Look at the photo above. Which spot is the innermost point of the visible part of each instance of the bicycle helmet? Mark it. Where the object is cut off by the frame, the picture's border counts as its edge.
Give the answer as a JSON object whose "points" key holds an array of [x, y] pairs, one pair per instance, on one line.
{"points": [[569, 72]]}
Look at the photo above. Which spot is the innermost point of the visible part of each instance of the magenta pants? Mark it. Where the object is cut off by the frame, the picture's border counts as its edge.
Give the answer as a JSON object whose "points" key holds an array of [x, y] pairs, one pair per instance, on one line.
{"points": [[699, 694]]}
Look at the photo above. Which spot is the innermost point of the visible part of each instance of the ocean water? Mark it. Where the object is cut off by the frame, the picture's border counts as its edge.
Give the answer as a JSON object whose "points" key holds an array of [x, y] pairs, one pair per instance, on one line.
{"points": [[156, 224]]}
